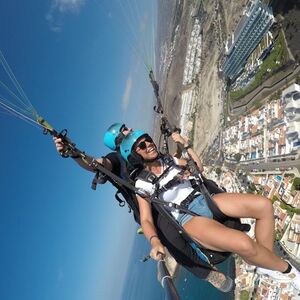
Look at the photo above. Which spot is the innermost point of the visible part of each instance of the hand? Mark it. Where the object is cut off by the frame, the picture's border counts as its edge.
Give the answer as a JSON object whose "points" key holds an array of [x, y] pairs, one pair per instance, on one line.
{"points": [[58, 144], [177, 138], [157, 250]]}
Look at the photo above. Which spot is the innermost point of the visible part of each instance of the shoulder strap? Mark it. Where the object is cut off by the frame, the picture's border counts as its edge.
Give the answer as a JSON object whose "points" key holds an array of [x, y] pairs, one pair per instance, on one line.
{"points": [[147, 176], [121, 202]]}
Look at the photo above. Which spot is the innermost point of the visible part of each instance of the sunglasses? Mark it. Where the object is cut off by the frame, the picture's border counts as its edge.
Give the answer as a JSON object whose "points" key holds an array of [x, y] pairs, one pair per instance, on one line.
{"points": [[142, 145]]}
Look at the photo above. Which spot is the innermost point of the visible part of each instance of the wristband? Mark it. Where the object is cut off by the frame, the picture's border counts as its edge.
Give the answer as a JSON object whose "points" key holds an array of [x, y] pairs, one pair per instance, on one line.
{"points": [[152, 236], [188, 146]]}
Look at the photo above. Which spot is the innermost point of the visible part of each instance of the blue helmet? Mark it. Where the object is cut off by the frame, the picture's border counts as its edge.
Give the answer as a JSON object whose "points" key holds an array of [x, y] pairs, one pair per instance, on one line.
{"points": [[128, 142], [112, 134]]}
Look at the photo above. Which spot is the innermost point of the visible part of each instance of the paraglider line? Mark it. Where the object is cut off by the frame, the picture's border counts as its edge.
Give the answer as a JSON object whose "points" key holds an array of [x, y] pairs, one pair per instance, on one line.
{"points": [[12, 77], [18, 114]]}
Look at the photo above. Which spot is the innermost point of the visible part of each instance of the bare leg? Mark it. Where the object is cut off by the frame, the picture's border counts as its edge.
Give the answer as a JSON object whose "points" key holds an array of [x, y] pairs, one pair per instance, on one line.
{"points": [[251, 206], [216, 236]]}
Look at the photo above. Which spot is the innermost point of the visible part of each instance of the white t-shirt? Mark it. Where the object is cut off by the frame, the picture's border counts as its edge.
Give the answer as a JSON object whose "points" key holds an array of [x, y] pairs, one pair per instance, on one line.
{"points": [[176, 194]]}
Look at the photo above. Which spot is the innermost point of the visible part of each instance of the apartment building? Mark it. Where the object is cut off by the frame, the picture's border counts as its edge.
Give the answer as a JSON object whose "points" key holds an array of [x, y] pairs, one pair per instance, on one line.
{"points": [[255, 23]]}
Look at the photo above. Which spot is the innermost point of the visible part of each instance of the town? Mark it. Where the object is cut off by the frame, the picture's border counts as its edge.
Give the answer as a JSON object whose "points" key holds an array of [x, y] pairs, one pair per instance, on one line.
{"points": [[257, 146]]}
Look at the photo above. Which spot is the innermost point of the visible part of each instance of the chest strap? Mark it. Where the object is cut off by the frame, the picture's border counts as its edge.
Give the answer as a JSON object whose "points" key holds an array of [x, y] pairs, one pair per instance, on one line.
{"points": [[190, 198], [173, 182]]}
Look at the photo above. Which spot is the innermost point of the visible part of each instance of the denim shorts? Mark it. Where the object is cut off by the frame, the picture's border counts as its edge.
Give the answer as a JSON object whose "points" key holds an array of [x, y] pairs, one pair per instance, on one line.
{"points": [[198, 206]]}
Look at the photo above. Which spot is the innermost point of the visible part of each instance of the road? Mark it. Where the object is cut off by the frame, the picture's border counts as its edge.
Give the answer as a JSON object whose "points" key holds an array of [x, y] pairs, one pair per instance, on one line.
{"points": [[265, 166]]}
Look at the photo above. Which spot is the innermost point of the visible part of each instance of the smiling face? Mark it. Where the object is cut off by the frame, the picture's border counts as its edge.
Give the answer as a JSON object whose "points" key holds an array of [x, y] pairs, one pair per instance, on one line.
{"points": [[146, 148]]}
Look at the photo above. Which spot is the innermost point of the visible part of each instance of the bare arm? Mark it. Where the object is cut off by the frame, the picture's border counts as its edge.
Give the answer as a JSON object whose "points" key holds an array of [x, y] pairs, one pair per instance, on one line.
{"points": [[149, 228], [177, 138], [102, 160], [82, 163]]}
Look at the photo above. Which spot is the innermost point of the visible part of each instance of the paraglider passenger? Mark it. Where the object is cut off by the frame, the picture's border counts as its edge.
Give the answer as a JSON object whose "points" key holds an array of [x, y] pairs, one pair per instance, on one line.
{"points": [[173, 183], [181, 250]]}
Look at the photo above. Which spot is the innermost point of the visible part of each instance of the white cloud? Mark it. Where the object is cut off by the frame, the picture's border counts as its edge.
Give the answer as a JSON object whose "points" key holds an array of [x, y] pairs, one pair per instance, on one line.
{"points": [[127, 93], [58, 9]]}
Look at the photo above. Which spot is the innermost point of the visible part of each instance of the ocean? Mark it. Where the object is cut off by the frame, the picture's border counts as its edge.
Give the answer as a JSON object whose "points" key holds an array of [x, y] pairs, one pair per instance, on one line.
{"points": [[191, 287], [141, 280]]}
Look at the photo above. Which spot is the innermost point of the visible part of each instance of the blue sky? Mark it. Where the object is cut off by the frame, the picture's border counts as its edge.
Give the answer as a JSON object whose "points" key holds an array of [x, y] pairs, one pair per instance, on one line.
{"points": [[81, 64]]}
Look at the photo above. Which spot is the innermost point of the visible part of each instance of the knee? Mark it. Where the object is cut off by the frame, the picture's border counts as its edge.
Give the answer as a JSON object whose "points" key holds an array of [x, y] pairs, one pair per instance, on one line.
{"points": [[265, 205], [246, 247]]}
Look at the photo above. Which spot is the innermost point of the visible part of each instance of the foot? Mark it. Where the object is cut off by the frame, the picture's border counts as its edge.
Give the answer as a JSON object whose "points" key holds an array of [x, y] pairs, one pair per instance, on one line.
{"points": [[276, 275], [220, 281], [293, 276]]}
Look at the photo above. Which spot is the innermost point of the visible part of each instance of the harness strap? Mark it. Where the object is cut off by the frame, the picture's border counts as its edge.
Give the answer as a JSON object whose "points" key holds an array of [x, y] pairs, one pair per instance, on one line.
{"points": [[171, 205], [153, 179], [90, 161], [190, 198], [173, 182], [121, 202], [99, 178], [163, 173], [167, 160]]}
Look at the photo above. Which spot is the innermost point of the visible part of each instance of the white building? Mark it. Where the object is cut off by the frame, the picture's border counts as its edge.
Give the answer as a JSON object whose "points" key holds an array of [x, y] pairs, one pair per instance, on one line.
{"points": [[187, 109], [193, 56], [291, 99]]}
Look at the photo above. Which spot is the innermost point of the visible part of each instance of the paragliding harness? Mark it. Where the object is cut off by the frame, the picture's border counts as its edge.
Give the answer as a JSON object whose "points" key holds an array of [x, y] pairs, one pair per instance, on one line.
{"points": [[208, 257], [123, 194], [168, 162], [164, 207], [71, 150], [205, 186]]}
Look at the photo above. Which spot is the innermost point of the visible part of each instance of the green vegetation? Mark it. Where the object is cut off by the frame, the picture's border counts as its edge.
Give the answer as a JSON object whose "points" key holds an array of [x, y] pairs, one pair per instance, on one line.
{"points": [[292, 175], [218, 171], [296, 184], [290, 210], [276, 59], [244, 295], [278, 235], [274, 198], [237, 157], [252, 188]]}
